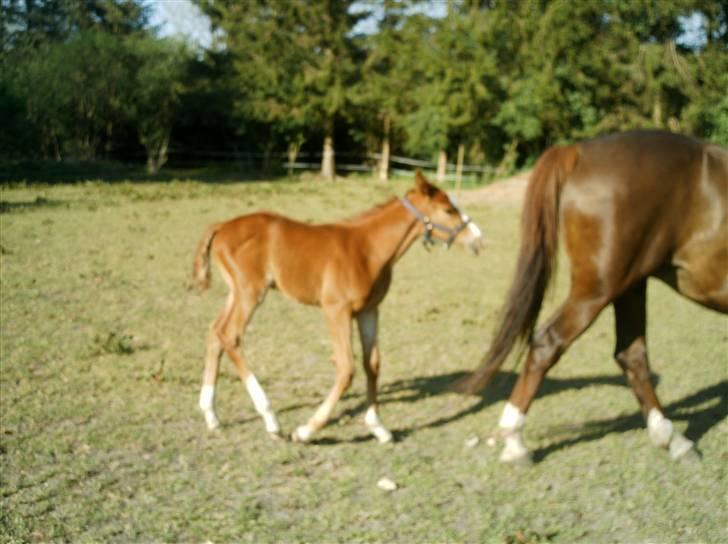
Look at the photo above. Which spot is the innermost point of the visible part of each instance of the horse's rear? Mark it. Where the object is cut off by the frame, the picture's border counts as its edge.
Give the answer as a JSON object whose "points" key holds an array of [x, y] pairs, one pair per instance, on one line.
{"points": [[630, 206], [656, 201]]}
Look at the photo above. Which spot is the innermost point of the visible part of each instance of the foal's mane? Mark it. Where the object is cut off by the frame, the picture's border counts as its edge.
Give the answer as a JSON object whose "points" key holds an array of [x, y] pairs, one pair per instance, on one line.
{"points": [[366, 214]]}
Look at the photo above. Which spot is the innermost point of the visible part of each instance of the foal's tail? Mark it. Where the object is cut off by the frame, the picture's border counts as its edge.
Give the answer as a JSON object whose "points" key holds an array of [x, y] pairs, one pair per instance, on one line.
{"points": [[201, 266], [536, 262]]}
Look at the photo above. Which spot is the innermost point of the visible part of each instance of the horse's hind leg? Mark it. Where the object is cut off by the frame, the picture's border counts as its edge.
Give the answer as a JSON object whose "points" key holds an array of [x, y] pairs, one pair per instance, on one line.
{"points": [[370, 351], [631, 355], [339, 324], [547, 345]]}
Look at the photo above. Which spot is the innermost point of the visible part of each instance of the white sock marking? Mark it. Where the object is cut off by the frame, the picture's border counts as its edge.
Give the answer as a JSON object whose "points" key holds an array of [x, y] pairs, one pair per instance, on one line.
{"points": [[207, 405], [511, 422], [659, 428], [262, 405], [207, 397], [512, 418], [371, 418]]}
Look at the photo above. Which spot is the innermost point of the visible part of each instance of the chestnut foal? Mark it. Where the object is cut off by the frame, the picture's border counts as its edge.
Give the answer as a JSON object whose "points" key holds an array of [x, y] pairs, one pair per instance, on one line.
{"points": [[630, 206], [345, 268]]}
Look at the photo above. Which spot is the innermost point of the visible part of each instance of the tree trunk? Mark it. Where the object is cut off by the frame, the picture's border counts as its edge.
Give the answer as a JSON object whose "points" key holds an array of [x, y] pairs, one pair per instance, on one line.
{"points": [[293, 148], [384, 160], [157, 155], [328, 169], [508, 162], [56, 147], [459, 169], [441, 166]]}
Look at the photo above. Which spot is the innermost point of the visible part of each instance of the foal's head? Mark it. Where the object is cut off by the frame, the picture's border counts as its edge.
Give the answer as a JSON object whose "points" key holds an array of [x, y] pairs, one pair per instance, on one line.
{"points": [[441, 218]]}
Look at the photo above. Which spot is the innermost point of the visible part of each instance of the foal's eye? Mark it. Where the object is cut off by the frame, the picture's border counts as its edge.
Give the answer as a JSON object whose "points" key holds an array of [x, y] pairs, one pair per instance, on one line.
{"points": [[452, 211]]}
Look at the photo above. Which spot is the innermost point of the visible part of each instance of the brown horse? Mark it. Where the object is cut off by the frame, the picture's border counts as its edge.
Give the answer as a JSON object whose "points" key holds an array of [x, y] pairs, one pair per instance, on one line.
{"points": [[345, 268], [630, 206]]}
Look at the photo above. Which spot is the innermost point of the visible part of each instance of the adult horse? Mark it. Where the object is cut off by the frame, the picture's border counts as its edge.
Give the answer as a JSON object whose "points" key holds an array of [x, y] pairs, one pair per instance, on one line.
{"points": [[630, 206], [345, 268]]}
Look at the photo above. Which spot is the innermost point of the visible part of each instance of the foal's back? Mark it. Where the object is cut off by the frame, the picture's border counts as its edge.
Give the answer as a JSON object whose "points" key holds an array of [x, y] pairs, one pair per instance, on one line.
{"points": [[300, 259]]}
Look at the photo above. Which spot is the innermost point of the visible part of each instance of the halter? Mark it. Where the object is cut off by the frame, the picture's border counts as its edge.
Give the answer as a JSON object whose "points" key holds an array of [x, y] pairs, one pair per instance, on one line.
{"points": [[431, 226]]}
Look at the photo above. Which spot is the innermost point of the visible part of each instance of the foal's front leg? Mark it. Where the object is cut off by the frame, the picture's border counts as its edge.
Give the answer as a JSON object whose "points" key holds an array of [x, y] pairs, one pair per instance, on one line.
{"points": [[370, 350], [338, 320]]}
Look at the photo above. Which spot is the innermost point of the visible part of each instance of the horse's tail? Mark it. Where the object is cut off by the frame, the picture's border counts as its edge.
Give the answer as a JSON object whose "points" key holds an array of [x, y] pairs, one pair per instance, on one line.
{"points": [[536, 262], [201, 276]]}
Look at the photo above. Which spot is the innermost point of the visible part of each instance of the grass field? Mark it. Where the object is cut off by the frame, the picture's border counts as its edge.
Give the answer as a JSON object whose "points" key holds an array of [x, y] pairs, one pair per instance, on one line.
{"points": [[101, 359]]}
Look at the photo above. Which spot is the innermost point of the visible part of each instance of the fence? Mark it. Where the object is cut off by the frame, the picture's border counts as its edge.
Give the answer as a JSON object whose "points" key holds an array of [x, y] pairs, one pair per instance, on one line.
{"points": [[344, 161]]}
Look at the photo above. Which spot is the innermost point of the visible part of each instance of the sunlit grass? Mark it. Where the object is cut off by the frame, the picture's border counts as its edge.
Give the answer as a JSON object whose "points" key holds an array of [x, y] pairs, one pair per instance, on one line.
{"points": [[101, 347]]}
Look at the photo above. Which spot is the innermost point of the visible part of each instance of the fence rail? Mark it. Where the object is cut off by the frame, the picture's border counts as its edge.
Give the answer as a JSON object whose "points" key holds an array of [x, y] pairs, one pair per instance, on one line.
{"points": [[345, 161]]}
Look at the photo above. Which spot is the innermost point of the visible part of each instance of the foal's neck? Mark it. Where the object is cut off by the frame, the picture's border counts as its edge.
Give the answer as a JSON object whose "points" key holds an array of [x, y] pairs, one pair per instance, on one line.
{"points": [[387, 233]]}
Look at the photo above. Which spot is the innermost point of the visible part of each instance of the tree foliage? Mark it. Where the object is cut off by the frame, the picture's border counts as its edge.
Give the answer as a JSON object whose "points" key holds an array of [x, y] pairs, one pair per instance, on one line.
{"points": [[500, 80]]}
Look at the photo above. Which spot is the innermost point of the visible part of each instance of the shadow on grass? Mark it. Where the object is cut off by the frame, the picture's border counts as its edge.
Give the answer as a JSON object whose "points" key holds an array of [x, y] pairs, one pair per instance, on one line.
{"points": [[48, 172], [38, 202], [700, 420], [702, 410]]}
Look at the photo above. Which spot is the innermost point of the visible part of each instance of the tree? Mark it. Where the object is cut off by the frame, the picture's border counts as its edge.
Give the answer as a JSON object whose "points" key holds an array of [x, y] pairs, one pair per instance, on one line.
{"points": [[76, 93], [32, 23], [453, 75], [160, 74], [295, 64], [383, 90]]}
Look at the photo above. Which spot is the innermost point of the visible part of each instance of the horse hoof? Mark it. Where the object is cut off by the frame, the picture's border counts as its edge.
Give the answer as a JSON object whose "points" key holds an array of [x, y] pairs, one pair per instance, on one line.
{"points": [[682, 449], [383, 436], [520, 459], [277, 435], [690, 457]]}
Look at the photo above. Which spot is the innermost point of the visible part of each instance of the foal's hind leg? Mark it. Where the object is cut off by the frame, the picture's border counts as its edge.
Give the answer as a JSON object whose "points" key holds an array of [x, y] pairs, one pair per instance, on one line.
{"points": [[339, 323], [370, 351], [547, 345], [225, 334], [631, 355], [212, 366], [231, 335]]}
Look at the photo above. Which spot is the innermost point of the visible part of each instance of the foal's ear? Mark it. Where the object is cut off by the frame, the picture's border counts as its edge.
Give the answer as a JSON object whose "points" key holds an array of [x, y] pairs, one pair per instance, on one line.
{"points": [[424, 186]]}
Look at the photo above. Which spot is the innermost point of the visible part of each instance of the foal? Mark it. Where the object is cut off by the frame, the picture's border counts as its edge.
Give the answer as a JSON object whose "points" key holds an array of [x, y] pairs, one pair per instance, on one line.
{"points": [[345, 268]]}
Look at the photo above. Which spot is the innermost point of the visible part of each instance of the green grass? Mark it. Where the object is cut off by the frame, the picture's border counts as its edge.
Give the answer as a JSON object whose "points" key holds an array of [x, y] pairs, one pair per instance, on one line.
{"points": [[101, 359]]}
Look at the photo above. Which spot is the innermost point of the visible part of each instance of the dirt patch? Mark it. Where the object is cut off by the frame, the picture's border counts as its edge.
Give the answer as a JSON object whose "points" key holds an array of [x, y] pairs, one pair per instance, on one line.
{"points": [[507, 190]]}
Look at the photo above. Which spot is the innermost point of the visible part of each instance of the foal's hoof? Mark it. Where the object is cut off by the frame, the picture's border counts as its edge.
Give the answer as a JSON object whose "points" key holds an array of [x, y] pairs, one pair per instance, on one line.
{"points": [[382, 435], [277, 435], [212, 422], [302, 434]]}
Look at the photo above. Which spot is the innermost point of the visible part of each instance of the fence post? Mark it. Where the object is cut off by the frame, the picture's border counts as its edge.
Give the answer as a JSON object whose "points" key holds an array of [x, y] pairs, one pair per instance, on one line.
{"points": [[441, 166], [459, 169]]}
